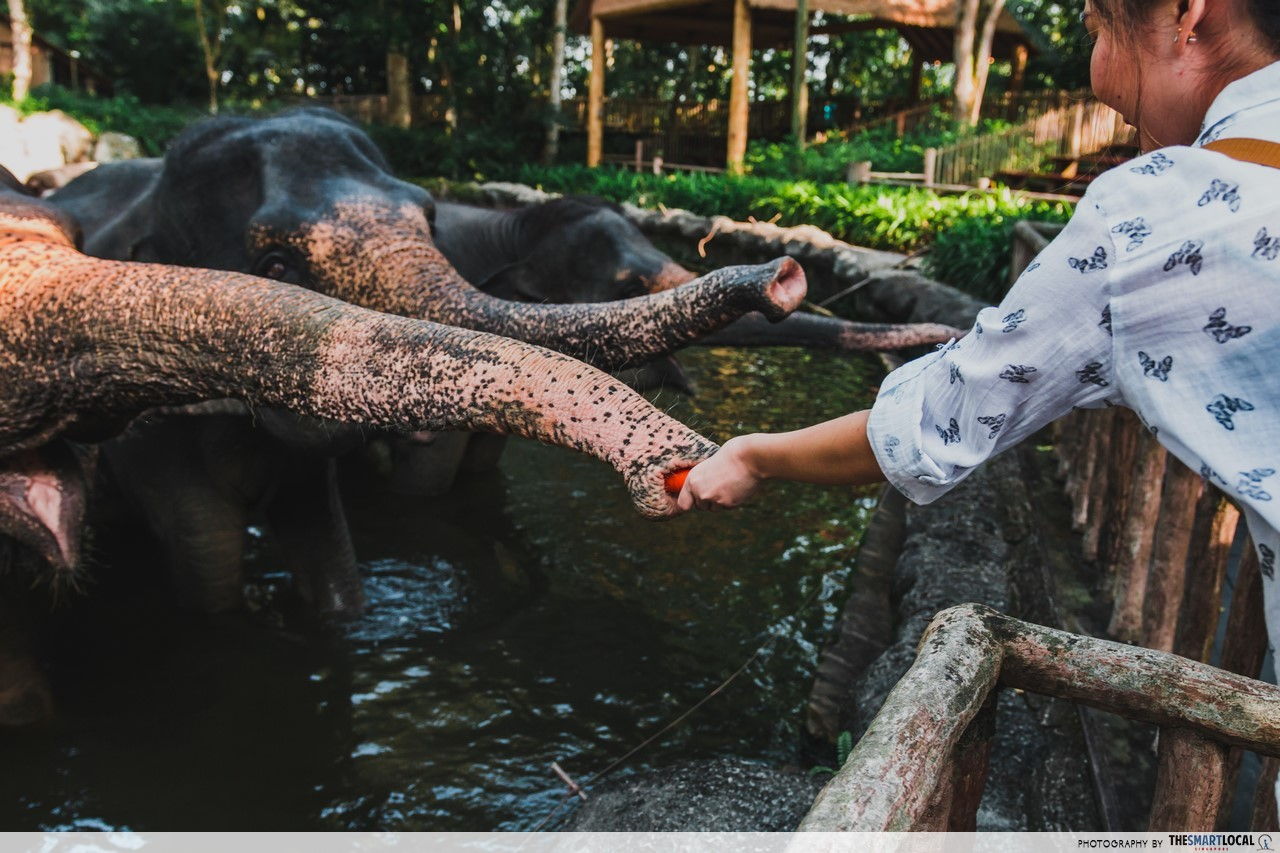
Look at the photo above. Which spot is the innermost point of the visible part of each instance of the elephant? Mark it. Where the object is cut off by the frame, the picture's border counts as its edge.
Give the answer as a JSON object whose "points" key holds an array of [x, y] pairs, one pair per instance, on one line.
{"points": [[585, 249], [86, 345], [305, 197]]}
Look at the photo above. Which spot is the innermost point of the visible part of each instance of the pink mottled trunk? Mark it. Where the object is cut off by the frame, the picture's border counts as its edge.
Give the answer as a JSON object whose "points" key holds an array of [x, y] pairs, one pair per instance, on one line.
{"points": [[381, 257], [83, 338]]}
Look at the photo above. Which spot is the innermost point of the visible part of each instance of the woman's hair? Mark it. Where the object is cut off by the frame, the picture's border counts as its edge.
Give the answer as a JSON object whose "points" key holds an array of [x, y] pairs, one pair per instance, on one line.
{"points": [[1126, 15]]}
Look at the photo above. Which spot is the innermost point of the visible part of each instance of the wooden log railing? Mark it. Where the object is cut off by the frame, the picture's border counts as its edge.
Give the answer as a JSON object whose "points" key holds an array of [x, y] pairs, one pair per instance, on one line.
{"points": [[922, 763]]}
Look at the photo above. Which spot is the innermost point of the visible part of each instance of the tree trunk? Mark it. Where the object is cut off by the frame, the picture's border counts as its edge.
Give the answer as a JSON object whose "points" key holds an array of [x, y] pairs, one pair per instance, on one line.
{"points": [[399, 92], [560, 23], [973, 57], [21, 49], [799, 76], [211, 50]]}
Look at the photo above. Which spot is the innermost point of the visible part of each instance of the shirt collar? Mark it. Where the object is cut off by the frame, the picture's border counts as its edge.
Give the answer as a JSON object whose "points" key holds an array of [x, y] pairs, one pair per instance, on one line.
{"points": [[1260, 87]]}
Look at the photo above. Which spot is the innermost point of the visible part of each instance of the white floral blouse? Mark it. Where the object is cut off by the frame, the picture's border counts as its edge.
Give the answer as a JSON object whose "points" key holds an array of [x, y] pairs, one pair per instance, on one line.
{"points": [[1163, 295]]}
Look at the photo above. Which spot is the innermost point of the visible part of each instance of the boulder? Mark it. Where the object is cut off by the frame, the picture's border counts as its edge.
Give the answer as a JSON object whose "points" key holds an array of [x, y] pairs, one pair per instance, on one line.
{"points": [[56, 135], [114, 146], [715, 795]]}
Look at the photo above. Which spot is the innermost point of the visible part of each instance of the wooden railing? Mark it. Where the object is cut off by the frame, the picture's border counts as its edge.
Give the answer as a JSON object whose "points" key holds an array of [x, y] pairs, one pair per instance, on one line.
{"points": [[1068, 131]]}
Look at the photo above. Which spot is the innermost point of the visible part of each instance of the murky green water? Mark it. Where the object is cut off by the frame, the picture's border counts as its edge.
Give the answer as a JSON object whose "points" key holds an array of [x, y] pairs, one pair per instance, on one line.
{"points": [[529, 617]]}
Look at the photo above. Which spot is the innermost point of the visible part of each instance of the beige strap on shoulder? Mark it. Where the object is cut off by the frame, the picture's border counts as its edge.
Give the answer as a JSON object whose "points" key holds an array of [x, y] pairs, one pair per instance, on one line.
{"points": [[1258, 151]]}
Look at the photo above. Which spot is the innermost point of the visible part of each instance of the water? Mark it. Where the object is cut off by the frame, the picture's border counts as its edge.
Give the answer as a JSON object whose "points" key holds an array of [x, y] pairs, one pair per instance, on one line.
{"points": [[528, 617]]}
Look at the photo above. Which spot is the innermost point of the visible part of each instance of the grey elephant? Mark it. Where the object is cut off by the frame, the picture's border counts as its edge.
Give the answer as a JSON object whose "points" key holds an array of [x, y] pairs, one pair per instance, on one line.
{"points": [[305, 197], [87, 344]]}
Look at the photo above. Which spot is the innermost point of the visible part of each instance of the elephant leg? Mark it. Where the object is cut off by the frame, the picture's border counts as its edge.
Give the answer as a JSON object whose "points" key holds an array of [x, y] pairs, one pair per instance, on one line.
{"points": [[426, 466], [484, 452], [25, 697], [310, 526], [166, 470]]}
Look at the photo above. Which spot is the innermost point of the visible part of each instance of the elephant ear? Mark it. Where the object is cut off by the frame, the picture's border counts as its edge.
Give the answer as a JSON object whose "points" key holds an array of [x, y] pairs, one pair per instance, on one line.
{"points": [[515, 281]]}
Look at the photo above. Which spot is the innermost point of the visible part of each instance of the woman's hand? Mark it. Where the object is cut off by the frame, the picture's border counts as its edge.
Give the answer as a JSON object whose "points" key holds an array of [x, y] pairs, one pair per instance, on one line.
{"points": [[724, 481]]}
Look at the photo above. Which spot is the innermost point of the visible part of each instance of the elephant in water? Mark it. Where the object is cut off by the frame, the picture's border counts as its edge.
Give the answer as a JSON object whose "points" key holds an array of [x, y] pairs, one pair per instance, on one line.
{"points": [[87, 344], [306, 198]]}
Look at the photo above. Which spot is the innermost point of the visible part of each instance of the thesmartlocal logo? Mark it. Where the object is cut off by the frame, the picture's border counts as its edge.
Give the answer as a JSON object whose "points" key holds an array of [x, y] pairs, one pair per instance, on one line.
{"points": [[1220, 841]]}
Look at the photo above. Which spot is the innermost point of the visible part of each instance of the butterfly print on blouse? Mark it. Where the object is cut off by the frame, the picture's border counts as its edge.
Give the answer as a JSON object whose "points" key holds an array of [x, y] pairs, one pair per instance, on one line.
{"points": [[1250, 484], [1157, 165], [1017, 373], [1224, 409], [1035, 265], [891, 445], [1220, 330], [1208, 474], [1267, 562], [1096, 261], [1155, 369], [949, 346], [956, 375], [1105, 322], [1136, 229], [977, 330], [1224, 192], [1091, 374], [1014, 320], [1265, 246], [994, 422], [950, 435], [1189, 254], [1212, 134]]}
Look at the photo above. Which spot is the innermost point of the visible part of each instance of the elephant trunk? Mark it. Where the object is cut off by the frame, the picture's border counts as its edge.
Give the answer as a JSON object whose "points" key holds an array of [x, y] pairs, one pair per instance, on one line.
{"points": [[818, 332], [382, 258], [83, 338]]}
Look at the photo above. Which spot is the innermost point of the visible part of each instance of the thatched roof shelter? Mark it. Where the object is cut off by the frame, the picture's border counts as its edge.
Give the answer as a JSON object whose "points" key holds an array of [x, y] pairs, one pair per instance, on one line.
{"points": [[927, 25]]}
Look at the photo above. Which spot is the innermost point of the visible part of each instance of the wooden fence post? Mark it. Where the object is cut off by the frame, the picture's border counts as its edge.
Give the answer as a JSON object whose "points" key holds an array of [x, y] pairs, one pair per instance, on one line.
{"points": [[1265, 818], [1137, 539], [1190, 781], [1211, 537], [639, 156], [930, 166], [859, 172], [1168, 576]]}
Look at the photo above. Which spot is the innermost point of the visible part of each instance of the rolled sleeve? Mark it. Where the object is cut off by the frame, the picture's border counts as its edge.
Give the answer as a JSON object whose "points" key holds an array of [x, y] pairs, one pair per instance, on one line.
{"points": [[1044, 350]]}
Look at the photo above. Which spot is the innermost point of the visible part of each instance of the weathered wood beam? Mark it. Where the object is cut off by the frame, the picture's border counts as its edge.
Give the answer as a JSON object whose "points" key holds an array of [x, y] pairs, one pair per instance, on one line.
{"points": [[595, 95], [1137, 539], [738, 91], [1167, 579], [1190, 782], [1140, 683], [890, 779], [1211, 536]]}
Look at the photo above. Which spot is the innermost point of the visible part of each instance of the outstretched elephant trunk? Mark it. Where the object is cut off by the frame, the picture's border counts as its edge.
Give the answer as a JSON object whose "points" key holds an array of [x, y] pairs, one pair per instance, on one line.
{"points": [[380, 255], [86, 343]]}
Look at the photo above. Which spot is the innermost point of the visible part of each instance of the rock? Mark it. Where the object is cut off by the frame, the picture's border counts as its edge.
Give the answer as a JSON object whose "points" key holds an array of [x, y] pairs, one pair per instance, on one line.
{"points": [[114, 146], [716, 795], [57, 135]]}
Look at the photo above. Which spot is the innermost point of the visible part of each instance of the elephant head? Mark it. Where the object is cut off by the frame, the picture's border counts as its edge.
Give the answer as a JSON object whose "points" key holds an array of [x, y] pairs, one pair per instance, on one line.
{"points": [[305, 197], [583, 249], [86, 344]]}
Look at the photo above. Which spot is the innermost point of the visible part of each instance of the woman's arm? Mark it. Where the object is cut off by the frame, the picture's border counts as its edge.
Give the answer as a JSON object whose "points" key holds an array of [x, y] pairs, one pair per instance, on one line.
{"points": [[1046, 349], [834, 452]]}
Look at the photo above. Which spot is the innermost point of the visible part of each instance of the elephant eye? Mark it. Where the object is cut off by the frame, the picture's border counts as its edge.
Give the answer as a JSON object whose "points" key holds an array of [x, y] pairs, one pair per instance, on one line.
{"points": [[277, 266]]}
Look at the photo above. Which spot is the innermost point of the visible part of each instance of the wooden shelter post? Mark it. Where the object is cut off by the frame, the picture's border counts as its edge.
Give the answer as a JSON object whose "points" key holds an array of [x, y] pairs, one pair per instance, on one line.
{"points": [[595, 95], [1020, 57], [799, 76], [738, 93]]}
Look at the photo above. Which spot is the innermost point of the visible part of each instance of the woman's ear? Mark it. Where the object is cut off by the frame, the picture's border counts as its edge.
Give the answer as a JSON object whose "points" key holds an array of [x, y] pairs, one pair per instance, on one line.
{"points": [[1191, 15]]}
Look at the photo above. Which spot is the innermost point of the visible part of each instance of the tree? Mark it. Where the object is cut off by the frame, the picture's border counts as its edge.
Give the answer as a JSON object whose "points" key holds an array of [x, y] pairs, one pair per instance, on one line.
{"points": [[972, 52], [21, 29], [555, 83], [211, 44]]}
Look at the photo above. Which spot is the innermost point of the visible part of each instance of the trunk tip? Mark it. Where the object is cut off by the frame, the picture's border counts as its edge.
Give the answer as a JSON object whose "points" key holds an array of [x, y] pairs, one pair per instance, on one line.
{"points": [[787, 289]]}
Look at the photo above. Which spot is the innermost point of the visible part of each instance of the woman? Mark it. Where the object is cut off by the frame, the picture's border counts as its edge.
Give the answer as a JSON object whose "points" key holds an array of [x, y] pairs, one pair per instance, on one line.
{"points": [[1162, 294]]}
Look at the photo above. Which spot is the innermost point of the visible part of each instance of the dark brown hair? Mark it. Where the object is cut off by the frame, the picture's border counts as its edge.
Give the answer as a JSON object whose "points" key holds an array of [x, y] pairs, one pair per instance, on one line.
{"points": [[1126, 15]]}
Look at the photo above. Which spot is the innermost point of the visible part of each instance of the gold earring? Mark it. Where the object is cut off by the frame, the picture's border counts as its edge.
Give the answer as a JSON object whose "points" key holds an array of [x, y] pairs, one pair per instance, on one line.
{"points": [[1192, 39]]}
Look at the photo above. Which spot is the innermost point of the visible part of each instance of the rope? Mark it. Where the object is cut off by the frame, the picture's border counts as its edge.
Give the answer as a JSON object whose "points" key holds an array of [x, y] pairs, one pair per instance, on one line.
{"points": [[575, 790]]}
